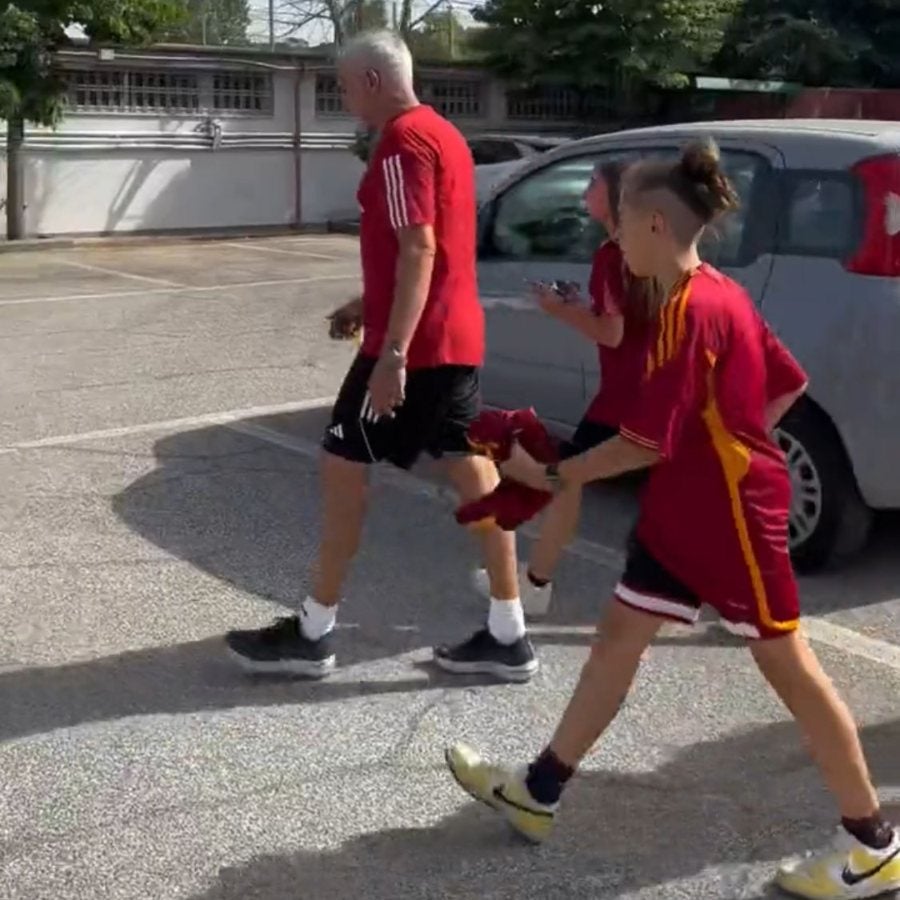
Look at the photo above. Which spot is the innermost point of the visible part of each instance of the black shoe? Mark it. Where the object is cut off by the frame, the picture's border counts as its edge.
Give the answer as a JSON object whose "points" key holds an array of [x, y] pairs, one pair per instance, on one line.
{"points": [[282, 649], [483, 654]]}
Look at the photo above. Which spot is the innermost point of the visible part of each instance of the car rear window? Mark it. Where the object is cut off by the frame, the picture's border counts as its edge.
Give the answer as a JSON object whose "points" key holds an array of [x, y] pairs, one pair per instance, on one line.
{"points": [[819, 214], [489, 151]]}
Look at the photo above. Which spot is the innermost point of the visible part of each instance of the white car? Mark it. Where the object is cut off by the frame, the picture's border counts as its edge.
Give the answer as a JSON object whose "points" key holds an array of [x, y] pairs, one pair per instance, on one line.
{"points": [[497, 156], [816, 243]]}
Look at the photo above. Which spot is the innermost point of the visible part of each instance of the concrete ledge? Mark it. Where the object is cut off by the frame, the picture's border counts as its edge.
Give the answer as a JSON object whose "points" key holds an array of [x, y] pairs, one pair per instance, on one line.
{"points": [[65, 242]]}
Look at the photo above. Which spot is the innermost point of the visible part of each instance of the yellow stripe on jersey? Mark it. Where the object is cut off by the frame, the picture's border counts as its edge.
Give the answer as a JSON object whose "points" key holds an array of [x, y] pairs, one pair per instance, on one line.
{"points": [[670, 329], [734, 457]]}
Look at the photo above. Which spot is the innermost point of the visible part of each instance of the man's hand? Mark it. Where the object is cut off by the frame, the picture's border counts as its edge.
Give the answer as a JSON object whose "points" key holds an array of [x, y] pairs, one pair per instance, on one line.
{"points": [[525, 469], [387, 384], [345, 322]]}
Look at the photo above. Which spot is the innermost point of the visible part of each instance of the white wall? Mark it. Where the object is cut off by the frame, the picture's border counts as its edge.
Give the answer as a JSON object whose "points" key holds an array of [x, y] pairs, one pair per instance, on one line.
{"points": [[114, 171], [141, 190], [127, 172]]}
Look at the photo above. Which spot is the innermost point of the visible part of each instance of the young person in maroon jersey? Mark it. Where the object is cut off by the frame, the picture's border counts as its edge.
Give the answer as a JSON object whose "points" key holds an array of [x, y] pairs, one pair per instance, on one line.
{"points": [[414, 385], [713, 528], [617, 319]]}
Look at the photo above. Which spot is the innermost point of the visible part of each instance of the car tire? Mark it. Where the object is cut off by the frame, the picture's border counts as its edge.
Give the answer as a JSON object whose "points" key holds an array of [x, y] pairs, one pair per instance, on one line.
{"points": [[829, 518]]}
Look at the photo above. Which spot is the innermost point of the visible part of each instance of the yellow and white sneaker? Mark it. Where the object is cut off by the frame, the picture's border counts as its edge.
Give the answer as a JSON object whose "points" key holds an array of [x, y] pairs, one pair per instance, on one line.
{"points": [[844, 871], [502, 790]]}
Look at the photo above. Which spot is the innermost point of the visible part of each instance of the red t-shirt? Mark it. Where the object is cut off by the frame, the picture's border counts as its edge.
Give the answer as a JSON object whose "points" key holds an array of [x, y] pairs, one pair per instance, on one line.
{"points": [[621, 367], [720, 496], [422, 173]]}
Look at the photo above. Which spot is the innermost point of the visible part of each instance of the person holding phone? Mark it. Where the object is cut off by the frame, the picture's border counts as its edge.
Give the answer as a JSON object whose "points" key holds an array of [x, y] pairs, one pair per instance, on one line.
{"points": [[617, 317]]}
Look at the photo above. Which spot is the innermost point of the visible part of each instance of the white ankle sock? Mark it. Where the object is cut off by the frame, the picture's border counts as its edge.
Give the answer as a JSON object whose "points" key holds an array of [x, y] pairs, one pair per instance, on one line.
{"points": [[316, 620], [506, 620]]}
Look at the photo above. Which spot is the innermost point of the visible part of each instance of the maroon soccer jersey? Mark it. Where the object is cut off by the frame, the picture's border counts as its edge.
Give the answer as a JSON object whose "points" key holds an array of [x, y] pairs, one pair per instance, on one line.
{"points": [[715, 508], [621, 367]]}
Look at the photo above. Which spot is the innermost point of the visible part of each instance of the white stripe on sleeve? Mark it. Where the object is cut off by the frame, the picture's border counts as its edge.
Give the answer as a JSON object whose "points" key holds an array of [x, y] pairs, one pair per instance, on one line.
{"points": [[401, 192], [393, 183]]}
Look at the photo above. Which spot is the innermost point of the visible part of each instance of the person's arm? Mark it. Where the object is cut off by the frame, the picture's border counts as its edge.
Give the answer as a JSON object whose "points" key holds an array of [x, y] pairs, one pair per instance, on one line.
{"points": [[409, 187], [786, 381], [675, 369], [603, 321], [409, 190], [415, 264], [605, 328], [778, 408]]}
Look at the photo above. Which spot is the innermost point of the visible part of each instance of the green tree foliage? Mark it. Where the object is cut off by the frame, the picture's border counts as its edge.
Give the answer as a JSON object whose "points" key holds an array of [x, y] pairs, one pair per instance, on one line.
{"points": [[441, 35], [615, 44], [824, 42], [215, 22]]}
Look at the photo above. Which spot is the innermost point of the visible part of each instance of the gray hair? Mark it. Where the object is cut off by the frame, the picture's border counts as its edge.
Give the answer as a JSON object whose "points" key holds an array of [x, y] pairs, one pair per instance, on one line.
{"points": [[384, 51]]}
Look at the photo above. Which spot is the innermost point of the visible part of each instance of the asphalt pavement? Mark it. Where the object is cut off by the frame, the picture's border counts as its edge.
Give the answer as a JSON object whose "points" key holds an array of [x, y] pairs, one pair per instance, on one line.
{"points": [[159, 419]]}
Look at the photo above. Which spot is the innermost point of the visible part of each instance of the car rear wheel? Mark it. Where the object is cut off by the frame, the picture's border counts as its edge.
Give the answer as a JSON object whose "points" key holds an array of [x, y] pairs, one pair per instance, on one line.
{"points": [[829, 520]]}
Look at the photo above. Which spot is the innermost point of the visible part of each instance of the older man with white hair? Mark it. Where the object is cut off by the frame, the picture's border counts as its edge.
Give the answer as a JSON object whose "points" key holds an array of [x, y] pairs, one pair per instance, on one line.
{"points": [[414, 385]]}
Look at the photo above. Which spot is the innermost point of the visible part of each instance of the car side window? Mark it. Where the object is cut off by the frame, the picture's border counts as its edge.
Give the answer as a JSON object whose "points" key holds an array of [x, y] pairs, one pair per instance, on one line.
{"points": [[486, 151], [543, 216], [818, 215], [730, 242]]}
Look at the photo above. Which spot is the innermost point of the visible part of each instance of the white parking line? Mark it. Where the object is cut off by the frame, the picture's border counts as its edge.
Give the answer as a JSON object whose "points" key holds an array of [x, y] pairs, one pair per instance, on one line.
{"points": [[219, 418], [104, 271], [821, 630], [265, 248], [25, 301]]}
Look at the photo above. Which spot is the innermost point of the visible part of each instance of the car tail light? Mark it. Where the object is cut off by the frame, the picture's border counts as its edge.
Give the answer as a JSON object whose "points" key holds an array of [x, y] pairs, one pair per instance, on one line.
{"points": [[879, 250]]}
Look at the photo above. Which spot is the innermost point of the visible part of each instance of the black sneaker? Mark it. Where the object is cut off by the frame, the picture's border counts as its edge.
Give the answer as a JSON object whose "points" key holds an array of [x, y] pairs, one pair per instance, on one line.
{"points": [[282, 649], [483, 654]]}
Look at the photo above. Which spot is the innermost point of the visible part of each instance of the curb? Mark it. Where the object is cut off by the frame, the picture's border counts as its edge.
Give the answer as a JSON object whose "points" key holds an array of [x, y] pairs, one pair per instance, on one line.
{"points": [[29, 245]]}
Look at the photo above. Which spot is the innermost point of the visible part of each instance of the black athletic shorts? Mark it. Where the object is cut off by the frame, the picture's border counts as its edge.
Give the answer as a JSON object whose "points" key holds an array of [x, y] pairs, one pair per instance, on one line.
{"points": [[647, 585], [440, 405], [587, 435]]}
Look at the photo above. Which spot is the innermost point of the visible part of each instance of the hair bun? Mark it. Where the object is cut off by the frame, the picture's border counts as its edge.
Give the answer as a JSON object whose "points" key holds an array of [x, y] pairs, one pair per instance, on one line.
{"points": [[700, 166], [700, 162]]}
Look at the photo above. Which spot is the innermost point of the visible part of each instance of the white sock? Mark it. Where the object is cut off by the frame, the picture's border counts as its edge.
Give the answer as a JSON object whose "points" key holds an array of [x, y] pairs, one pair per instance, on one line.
{"points": [[506, 620], [316, 620]]}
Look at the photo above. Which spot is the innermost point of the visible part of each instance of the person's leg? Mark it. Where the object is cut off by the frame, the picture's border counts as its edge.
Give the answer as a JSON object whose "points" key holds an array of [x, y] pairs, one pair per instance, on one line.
{"points": [[792, 669], [344, 489], [444, 403], [865, 859], [472, 477], [645, 598], [560, 520], [557, 528], [764, 606], [300, 645], [502, 648]]}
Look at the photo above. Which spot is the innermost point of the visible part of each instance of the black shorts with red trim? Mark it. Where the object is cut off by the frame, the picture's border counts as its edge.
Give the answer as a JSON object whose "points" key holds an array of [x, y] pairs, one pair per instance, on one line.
{"points": [[439, 406], [647, 585]]}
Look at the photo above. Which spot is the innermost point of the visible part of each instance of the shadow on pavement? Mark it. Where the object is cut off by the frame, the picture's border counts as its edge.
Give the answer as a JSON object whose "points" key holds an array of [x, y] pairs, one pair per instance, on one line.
{"points": [[616, 833], [184, 678]]}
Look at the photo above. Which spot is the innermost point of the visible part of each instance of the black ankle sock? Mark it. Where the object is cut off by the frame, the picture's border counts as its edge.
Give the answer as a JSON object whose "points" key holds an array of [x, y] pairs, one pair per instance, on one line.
{"points": [[537, 582], [875, 831], [547, 776]]}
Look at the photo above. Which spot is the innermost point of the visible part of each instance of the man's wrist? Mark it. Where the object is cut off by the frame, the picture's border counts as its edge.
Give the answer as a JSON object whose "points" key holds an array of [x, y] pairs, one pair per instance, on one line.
{"points": [[393, 354]]}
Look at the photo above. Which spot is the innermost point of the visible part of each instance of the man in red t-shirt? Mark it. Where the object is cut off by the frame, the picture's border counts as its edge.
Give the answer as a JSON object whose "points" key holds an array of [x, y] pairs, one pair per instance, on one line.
{"points": [[414, 385]]}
